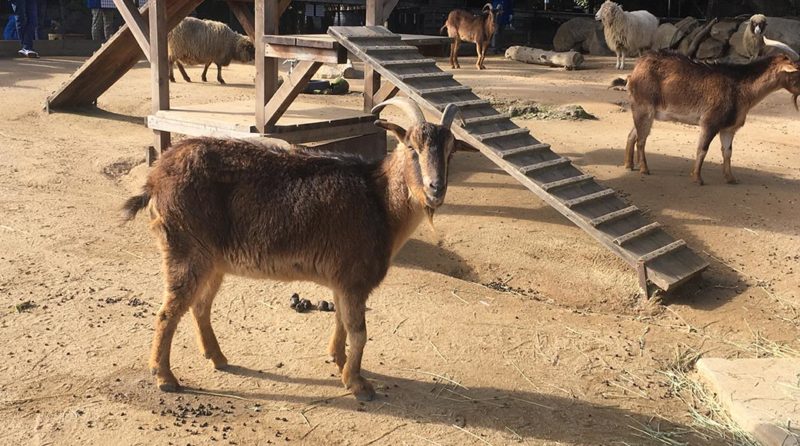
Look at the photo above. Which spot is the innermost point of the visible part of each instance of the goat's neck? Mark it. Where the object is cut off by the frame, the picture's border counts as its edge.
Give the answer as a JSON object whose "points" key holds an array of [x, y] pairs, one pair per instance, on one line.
{"points": [[403, 210], [754, 92]]}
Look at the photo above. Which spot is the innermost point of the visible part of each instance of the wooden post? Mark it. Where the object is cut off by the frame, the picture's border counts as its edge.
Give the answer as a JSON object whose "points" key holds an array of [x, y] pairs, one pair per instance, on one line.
{"points": [[267, 19], [372, 80], [159, 68]]}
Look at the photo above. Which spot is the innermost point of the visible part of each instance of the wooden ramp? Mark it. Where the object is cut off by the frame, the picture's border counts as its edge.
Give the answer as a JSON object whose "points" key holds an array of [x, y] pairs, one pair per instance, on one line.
{"points": [[660, 259]]}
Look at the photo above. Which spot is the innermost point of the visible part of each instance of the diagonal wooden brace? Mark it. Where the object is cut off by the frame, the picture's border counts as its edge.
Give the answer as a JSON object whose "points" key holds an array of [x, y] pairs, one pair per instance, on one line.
{"points": [[387, 91], [136, 23], [283, 97]]}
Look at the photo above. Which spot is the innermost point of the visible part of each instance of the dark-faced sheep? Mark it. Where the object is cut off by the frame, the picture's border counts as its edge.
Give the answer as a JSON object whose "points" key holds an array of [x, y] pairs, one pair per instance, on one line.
{"points": [[203, 42], [245, 208], [626, 32], [668, 86]]}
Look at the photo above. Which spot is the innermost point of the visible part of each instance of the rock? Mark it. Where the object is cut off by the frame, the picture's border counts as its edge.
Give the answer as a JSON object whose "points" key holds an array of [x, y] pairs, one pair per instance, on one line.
{"points": [[333, 71], [683, 47], [723, 30], [665, 36], [711, 49], [596, 43], [572, 33]]}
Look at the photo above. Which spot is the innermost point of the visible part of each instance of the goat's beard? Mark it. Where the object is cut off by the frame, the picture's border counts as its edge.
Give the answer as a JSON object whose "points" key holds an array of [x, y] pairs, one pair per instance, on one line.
{"points": [[429, 211]]}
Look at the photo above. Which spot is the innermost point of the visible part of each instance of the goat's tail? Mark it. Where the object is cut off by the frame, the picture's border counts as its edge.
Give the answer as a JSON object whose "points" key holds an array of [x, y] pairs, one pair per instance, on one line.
{"points": [[619, 82], [135, 204], [443, 28]]}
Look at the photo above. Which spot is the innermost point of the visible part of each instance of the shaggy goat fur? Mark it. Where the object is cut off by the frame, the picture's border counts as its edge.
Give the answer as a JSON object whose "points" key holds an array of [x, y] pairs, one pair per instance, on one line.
{"points": [[626, 32], [203, 42], [668, 86]]}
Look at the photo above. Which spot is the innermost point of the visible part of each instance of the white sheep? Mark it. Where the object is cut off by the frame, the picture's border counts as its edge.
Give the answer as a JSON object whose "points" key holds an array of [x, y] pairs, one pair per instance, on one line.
{"points": [[204, 42], [626, 32]]}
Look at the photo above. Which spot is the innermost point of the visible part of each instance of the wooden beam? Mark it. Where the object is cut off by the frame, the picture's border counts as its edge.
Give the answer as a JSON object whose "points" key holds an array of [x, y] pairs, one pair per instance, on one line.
{"points": [[136, 24], [294, 84], [245, 17], [372, 80], [266, 22], [159, 67], [387, 91], [333, 56]]}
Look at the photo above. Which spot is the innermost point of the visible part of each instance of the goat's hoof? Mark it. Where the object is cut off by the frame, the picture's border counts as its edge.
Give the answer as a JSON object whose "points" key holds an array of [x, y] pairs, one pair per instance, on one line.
{"points": [[222, 82], [629, 166], [167, 383], [644, 171], [698, 181], [362, 390], [220, 362]]}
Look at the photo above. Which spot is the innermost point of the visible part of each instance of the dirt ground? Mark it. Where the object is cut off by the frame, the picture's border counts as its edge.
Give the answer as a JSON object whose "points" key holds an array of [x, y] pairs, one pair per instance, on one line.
{"points": [[567, 353]]}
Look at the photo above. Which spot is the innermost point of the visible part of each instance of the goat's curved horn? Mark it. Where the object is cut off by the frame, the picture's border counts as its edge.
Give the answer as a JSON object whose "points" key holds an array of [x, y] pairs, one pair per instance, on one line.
{"points": [[488, 5], [406, 105], [449, 114]]}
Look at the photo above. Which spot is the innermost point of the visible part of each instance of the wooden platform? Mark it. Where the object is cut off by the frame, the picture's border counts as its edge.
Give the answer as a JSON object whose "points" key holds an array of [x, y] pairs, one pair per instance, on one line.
{"points": [[302, 122], [324, 48], [659, 258]]}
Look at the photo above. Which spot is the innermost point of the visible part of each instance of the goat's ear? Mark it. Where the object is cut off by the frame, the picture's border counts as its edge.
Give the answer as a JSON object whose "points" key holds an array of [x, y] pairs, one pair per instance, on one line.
{"points": [[461, 146], [789, 68], [392, 127]]}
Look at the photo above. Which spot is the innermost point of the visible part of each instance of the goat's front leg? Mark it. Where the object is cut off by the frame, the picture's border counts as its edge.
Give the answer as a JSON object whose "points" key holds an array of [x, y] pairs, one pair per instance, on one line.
{"points": [[629, 148], [352, 313], [726, 138], [336, 346], [706, 136], [622, 60], [616, 64]]}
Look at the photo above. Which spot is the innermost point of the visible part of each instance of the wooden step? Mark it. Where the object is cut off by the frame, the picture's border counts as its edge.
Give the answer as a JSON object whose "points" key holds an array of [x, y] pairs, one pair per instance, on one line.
{"points": [[451, 89], [388, 48], [464, 104], [434, 75], [544, 165], [611, 216], [644, 230], [566, 182], [589, 198], [408, 62], [502, 133], [664, 250], [524, 149], [487, 119]]}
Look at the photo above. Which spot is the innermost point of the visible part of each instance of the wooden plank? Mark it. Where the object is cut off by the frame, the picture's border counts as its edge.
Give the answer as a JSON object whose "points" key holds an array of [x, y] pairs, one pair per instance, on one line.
{"points": [[503, 133], [168, 124], [524, 149], [387, 91], [389, 48], [644, 230], [451, 89], [464, 104], [325, 133], [649, 257], [266, 18], [566, 182], [245, 16], [159, 67], [408, 62], [322, 41], [544, 165], [375, 15], [136, 24], [589, 198], [294, 84], [332, 56], [487, 119], [616, 215]]}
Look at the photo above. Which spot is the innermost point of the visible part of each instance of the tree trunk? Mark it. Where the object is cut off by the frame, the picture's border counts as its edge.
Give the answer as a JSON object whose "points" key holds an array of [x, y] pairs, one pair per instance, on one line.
{"points": [[569, 59]]}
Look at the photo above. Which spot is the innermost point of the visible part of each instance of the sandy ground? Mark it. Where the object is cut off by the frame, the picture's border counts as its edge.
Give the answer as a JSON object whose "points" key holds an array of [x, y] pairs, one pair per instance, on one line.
{"points": [[574, 358]]}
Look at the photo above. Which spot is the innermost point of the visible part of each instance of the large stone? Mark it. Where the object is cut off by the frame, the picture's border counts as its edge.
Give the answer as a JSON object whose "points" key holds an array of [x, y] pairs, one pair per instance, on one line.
{"points": [[683, 47], [723, 30], [711, 49], [664, 36], [572, 34], [687, 25], [596, 43], [761, 395]]}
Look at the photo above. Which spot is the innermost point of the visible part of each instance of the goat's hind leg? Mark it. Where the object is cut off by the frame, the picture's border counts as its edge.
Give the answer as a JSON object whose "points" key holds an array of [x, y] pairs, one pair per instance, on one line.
{"points": [[352, 313], [454, 53], [629, 149], [183, 71], [201, 310], [643, 123], [706, 136]]}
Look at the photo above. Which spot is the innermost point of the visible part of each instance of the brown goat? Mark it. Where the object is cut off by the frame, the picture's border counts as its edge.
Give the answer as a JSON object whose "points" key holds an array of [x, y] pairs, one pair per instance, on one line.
{"points": [[668, 86], [246, 208], [479, 29]]}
